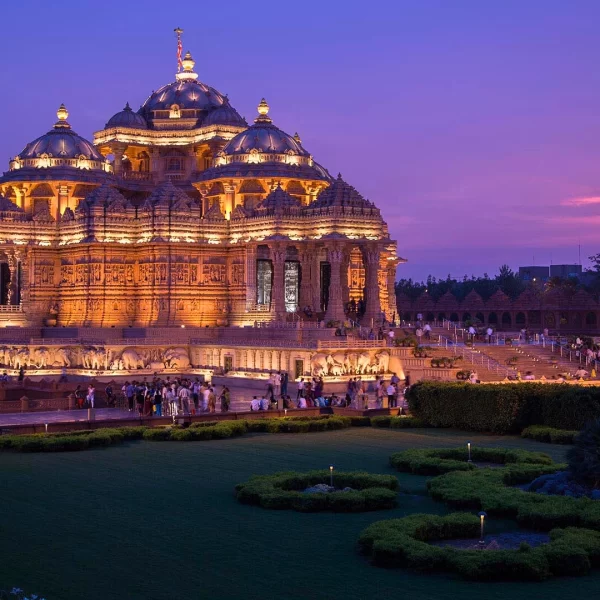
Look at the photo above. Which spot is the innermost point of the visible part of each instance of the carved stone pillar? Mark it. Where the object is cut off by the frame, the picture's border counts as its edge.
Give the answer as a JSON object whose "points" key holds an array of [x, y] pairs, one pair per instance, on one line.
{"points": [[229, 199], [391, 287], [250, 277], [344, 280], [278, 291], [13, 284], [306, 294], [118, 150], [335, 306], [373, 306], [315, 281]]}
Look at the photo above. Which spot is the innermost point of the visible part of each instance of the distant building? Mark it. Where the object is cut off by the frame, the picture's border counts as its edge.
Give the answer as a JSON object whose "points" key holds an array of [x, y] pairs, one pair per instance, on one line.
{"points": [[565, 271], [534, 273]]}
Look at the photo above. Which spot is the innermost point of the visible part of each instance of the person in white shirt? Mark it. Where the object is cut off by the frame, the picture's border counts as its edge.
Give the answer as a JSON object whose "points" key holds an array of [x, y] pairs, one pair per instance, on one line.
{"points": [[277, 384], [255, 404], [205, 397], [391, 394], [172, 402], [184, 397], [300, 389], [427, 331], [302, 402], [264, 404], [489, 331]]}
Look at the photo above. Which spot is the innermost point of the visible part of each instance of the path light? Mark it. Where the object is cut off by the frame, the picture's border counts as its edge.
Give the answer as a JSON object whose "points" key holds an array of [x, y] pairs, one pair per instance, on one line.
{"points": [[469, 449], [482, 515], [331, 475], [285, 411], [46, 426]]}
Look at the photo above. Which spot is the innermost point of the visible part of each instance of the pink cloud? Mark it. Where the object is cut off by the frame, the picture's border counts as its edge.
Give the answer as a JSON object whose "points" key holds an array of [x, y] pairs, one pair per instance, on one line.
{"points": [[583, 201]]}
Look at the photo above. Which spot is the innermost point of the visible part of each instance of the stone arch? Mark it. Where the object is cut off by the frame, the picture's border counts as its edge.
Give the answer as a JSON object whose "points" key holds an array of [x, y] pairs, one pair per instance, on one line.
{"points": [[479, 317], [493, 318], [454, 317], [577, 320], [520, 318], [506, 318]]}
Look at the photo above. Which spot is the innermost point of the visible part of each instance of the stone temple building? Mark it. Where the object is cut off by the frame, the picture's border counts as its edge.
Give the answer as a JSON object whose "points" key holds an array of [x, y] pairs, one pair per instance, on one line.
{"points": [[182, 214]]}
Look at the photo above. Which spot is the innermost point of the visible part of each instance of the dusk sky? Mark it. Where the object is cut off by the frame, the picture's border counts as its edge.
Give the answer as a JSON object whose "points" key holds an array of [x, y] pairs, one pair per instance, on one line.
{"points": [[473, 125]]}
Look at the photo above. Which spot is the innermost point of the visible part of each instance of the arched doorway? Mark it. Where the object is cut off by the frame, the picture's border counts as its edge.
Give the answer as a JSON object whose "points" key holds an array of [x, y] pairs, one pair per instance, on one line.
{"points": [[493, 318], [520, 318], [506, 318]]}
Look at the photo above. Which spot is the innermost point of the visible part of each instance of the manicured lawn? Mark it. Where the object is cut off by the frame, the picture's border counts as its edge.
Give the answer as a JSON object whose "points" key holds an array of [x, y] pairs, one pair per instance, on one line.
{"points": [[158, 521]]}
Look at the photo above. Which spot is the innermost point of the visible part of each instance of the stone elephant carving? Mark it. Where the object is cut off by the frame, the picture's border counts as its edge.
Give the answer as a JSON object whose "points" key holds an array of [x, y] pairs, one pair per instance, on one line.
{"points": [[62, 358], [20, 358], [39, 357], [363, 363], [5, 355], [319, 364], [94, 358], [176, 358], [132, 360], [383, 361], [351, 362], [337, 361]]}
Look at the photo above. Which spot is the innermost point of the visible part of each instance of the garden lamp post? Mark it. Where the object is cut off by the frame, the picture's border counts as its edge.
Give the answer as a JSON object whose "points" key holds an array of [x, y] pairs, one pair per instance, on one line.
{"points": [[482, 515], [469, 450], [331, 475], [46, 426]]}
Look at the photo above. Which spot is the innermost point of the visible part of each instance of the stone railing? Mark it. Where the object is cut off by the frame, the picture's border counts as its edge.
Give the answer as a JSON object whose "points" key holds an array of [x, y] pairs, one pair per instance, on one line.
{"points": [[351, 343], [12, 308]]}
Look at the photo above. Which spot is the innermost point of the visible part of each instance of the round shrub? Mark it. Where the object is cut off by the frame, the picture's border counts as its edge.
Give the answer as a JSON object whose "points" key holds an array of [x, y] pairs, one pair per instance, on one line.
{"points": [[406, 543], [285, 491]]}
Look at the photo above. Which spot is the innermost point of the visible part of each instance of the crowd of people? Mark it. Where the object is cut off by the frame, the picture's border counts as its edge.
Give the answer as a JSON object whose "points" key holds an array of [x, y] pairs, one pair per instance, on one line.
{"points": [[174, 397]]}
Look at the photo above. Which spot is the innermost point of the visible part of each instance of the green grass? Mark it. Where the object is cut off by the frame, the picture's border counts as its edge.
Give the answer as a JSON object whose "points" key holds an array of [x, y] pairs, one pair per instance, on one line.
{"points": [[150, 521]]}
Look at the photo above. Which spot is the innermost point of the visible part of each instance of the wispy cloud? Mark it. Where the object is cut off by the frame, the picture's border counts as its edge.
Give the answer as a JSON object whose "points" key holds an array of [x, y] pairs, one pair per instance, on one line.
{"points": [[582, 201]]}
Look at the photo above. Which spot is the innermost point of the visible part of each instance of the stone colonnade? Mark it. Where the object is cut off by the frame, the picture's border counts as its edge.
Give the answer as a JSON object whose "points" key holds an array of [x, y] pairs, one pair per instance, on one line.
{"points": [[330, 293]]}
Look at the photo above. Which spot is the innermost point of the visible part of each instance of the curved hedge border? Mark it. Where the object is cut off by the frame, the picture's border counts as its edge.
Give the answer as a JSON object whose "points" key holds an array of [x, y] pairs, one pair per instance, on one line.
{"points": [[445, 460], [404, 543], [284, 491], [489, 490], [201, 431], [550, 435]]}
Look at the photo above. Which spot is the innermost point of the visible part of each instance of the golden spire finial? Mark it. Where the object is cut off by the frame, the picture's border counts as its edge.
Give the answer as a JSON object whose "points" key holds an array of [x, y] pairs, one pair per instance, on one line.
{"points": [[263, 108], [263, 112], [62, 113]]}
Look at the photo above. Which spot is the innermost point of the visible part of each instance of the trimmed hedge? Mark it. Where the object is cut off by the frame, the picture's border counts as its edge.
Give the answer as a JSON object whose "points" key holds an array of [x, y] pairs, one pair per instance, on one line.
{"points": [[445, 460], [489, 490], [506, 408], [404, 543], [550, 435], [200, 431], [285, 491]]}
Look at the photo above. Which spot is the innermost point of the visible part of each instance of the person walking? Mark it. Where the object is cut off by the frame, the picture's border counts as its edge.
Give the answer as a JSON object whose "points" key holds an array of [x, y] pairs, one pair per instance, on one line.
{"points": [[300, 393], [91, 395], [225, 399], [391, 394]]}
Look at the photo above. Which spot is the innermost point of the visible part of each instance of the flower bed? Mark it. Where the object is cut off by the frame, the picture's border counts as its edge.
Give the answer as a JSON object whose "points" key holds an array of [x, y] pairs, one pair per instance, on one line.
{"points": [[405, 543], [445, 460], [286, 491]]}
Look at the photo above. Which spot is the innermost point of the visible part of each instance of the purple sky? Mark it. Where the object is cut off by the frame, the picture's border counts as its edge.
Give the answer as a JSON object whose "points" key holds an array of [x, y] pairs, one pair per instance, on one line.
{"points": [[474, 126]]}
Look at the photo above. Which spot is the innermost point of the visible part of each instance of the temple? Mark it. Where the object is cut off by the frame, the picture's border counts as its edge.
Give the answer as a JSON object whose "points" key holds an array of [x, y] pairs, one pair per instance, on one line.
{"points": [[181, 214]]}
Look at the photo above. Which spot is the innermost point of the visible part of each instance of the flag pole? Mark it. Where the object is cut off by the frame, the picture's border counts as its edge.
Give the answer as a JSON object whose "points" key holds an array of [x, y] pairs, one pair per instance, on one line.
{"points": [[178, 31]]}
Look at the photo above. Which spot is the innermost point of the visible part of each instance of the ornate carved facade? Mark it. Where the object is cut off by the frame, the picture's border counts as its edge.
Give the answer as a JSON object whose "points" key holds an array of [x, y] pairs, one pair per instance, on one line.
{"points": [[182, 214]]}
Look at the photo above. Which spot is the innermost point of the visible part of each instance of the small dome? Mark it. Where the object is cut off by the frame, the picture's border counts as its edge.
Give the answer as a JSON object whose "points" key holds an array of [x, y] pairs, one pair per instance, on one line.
{"points": [[278, 200], [340, 193], [7, 206], [61, 142], [224, 115], [263, 136], [127, 118]]}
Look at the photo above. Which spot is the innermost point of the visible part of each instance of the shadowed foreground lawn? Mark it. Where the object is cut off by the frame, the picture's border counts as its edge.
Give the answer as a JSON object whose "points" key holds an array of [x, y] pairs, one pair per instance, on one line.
{"points": [[158, 521]]}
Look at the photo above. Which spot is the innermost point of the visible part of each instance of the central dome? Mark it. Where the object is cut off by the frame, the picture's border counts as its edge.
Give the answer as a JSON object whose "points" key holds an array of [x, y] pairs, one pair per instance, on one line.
{"points": [[186, 94]]}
